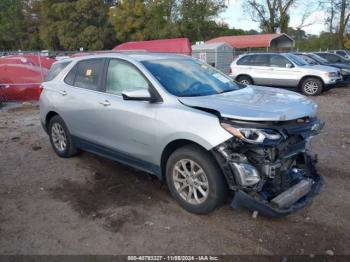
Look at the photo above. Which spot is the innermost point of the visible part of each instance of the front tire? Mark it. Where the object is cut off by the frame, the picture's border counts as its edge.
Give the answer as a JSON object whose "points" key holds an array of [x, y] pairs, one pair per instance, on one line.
{"points": [[195, 180], [311, 86], [60, 138]]}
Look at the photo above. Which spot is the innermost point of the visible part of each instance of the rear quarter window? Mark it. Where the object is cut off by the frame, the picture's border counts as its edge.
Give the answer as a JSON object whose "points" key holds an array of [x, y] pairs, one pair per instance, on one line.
{"points": [[55, 70], [86, 74]]}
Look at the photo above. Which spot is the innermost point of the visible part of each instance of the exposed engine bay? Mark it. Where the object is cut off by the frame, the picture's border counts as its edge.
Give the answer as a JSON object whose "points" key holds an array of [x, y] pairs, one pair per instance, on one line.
{"points": [[269, 164]]}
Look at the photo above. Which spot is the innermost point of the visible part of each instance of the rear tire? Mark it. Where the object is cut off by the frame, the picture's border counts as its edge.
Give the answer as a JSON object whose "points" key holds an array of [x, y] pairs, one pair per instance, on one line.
{"points": [[195, 180], [311, 86], [245, 80], [60, 138]]}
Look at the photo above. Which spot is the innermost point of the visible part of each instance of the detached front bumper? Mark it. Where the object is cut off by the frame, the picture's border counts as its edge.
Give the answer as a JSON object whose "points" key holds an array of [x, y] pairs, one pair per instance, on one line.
{"points": [[265, 208]]}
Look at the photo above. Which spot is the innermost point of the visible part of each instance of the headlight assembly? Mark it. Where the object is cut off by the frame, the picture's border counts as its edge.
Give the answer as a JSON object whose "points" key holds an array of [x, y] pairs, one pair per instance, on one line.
{"points": [[251, 135], [331, 74], [344, 71]]}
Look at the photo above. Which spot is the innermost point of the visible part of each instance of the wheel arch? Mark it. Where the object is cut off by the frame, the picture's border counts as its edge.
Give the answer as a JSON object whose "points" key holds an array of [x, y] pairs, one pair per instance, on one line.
{"points": [[172, 147], [246, 75], [48, 117], [310, 76]]}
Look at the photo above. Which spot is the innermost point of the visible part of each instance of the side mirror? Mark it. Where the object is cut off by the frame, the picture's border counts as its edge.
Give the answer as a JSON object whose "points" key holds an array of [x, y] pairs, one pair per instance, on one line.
{"points": [[289, 65], [138, 95]]}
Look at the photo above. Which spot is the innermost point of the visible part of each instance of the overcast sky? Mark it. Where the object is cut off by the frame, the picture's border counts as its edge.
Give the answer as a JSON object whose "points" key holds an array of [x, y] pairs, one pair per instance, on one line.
{"points": [[236, 18]]}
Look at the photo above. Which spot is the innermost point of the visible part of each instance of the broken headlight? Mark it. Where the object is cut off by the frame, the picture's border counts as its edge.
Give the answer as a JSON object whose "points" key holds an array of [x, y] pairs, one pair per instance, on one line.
{"points": [[251, 135]]}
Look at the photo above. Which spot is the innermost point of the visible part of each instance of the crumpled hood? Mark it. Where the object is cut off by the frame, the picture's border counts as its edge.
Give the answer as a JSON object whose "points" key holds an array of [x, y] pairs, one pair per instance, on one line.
{"points": [[256, 103]]}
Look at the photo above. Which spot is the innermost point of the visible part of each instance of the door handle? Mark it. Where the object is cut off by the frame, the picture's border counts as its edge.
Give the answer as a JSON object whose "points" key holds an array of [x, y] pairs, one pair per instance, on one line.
{"points": [[105, 103], [63, 92]]}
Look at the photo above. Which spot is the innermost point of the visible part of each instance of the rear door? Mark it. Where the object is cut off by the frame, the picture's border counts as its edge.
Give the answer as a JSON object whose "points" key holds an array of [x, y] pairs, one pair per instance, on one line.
{"points": [[81, 93]]}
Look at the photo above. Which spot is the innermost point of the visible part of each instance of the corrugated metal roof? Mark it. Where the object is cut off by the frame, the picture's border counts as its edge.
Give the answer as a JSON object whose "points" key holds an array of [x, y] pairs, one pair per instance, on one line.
{"points": [[209, 46], [246, 41], [176, 45]]}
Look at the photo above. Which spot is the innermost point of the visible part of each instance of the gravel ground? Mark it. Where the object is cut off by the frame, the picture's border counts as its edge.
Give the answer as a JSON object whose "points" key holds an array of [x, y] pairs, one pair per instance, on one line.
{"points": [[90, 205]]}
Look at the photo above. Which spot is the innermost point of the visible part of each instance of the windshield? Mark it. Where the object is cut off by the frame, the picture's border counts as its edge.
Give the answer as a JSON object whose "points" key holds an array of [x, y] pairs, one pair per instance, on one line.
{"points": [[296, 60], [190, 77], [318, 59]]}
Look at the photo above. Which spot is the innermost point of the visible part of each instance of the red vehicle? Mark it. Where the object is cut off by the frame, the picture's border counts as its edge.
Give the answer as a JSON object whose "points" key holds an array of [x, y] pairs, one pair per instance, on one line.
{"points": [[21, 76]]}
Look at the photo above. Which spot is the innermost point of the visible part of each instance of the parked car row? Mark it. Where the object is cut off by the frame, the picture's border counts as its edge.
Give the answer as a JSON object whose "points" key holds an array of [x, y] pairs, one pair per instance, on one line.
{"points": [[311, 73], [343, 53]]}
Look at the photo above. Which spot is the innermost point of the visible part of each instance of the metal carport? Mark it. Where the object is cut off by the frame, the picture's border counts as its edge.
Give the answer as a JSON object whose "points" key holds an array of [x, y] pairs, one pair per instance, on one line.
{"points": [[268, 41]]}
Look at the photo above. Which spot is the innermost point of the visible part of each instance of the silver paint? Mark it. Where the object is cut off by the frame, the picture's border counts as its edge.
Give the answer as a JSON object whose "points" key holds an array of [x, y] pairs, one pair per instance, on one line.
{"points": [[143, 130]]}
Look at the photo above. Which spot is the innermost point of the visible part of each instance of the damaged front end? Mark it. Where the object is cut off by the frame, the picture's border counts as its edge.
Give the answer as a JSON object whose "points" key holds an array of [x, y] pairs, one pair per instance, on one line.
{"points": [[269, 165]]}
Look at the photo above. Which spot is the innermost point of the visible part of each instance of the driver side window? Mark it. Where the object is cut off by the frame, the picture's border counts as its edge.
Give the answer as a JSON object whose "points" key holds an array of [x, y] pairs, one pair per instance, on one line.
{"points": [[122, 76]]}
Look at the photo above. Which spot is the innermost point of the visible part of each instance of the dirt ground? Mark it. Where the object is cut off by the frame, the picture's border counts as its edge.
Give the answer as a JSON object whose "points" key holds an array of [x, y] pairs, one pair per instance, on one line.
{"points": [[90, 205]]}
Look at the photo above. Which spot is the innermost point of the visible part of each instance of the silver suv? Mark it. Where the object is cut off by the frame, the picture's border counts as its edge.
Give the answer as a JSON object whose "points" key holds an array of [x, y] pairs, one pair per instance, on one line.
{"points": [[284, 70], [188, 124]]}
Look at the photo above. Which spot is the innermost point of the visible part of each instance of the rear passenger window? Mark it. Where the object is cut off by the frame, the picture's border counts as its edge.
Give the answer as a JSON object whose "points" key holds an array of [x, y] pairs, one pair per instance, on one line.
{"points": [[55, 70], [88, 74], [259, 60]]}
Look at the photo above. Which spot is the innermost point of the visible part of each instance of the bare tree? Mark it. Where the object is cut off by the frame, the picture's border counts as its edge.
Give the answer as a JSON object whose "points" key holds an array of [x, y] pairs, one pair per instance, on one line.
{"points": [[271, 14], [263, 13], [283, 8], [343, 21], [337, 19]]}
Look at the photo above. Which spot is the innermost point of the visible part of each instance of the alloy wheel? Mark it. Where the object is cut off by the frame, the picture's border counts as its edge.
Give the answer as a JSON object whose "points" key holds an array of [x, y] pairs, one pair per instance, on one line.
{"points": [[311, 87], [59, 138], [190, 181], [244, 82]]}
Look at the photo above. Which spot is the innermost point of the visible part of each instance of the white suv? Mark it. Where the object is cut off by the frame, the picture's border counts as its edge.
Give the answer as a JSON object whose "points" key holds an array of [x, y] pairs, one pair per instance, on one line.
{"points": [[284, 70]]}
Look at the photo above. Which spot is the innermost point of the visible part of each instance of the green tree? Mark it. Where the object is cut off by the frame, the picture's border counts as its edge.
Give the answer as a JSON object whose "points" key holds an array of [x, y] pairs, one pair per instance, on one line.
{"points": [[197, 17], [129, 20], [162, 19], [70, 25], [31, 21], [11, 25]]}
